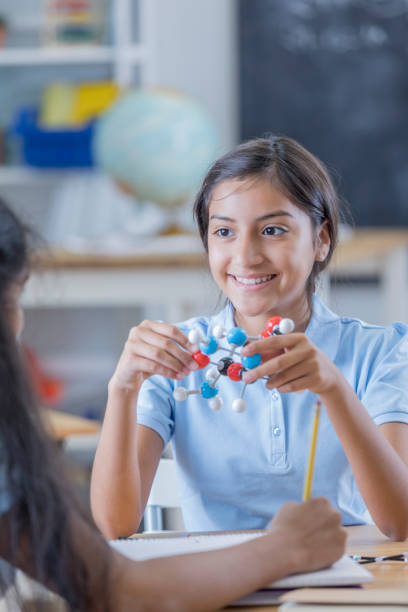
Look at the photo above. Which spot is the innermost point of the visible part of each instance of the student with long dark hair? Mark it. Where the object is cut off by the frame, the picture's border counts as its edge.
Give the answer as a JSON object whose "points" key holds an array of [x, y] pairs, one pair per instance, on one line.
{"points": [[44, 532], [267, 213]]}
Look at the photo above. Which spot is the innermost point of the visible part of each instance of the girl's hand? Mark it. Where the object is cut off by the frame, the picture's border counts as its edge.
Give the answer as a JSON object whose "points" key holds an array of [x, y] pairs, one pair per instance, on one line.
{"points": [[312, 531], [292, 363], [153, 348]]}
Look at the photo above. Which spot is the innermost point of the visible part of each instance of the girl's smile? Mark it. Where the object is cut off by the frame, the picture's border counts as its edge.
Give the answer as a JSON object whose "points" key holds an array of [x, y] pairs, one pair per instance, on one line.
{"points": [[262, 249], [254, 282]]}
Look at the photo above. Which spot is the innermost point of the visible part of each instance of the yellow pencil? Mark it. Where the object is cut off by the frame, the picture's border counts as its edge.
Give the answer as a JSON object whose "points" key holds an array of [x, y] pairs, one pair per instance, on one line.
{"points": [[309, 474]]}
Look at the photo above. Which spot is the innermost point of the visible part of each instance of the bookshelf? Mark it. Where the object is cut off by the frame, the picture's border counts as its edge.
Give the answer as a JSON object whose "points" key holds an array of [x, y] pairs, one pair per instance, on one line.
{"points": [[58, 302], [121, 57], [77, 318]]}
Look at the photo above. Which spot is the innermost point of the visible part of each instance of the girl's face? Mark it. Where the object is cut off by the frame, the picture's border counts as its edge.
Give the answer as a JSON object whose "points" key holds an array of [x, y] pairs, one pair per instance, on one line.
{"points": [[262, 248], [14, 310]]}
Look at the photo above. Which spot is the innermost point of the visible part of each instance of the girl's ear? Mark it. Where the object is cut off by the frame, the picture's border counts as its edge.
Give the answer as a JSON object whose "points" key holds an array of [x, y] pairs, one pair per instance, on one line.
{"points": [[322, 242]]}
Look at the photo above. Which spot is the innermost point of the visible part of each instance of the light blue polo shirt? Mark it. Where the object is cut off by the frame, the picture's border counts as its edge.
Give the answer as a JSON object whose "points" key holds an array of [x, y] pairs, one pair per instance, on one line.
{"points": [[236, 470]]}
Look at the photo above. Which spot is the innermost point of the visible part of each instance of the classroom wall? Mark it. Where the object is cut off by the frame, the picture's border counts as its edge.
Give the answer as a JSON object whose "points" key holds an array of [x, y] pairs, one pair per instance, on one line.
{"points": [[195, 51]]}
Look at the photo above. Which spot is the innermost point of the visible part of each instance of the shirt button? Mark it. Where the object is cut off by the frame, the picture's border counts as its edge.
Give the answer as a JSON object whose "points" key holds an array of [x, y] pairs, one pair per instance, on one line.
{"points": [[276, 431], [275, 395]]}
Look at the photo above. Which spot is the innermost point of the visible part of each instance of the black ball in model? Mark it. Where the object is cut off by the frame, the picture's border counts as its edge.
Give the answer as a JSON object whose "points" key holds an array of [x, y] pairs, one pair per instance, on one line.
{"points": [[223, 365]]}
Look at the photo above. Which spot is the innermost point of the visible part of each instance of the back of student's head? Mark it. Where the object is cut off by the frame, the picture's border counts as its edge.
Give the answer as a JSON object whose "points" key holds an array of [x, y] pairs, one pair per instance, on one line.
{"points": [[37, 506], [14, 248], [290, 168]]}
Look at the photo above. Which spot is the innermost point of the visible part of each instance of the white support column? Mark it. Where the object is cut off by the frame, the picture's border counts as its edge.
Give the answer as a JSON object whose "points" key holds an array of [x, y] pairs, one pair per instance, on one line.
{"points": [[147, 29], [122, 40], [395, 285]]}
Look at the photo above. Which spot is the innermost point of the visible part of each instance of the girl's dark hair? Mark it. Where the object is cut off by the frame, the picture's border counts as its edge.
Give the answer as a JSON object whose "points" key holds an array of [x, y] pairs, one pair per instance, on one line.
{"points": [[43, 526], [291, 169], [14, 248]]}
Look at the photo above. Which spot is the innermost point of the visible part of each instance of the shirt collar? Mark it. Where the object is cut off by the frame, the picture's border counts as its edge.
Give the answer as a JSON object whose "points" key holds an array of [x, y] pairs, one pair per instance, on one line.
{"points": [[322, 329], [225, 317], [316, 329], [321, 314]]}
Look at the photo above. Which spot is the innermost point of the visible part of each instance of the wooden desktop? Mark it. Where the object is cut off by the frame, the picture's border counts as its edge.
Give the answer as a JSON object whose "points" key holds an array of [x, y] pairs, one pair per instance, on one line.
{"points": [[367, 540], [62, 425]]}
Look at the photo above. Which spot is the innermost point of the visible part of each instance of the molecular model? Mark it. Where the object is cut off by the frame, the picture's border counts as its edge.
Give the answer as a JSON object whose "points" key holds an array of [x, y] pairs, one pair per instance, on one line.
{"points": [[226, 366]]}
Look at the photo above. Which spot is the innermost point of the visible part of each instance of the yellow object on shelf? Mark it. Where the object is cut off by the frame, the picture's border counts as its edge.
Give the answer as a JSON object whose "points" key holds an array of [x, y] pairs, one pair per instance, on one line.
{"points": [[68, 105], [93, 99], [57, 105]]}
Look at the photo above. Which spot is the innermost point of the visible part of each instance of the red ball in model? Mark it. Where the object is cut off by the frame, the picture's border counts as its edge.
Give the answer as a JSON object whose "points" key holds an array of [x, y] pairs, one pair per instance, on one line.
{"points": [[272, 322], [234, 371], [201, 359]]}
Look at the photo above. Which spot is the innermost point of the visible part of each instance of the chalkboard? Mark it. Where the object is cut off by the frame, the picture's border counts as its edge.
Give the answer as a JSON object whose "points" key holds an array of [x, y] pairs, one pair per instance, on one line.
{"points": [[333, 74]]}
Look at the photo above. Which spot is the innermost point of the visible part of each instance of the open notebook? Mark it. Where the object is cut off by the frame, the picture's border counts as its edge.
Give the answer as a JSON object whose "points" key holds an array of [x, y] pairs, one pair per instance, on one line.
{"points": [[344, 572]]}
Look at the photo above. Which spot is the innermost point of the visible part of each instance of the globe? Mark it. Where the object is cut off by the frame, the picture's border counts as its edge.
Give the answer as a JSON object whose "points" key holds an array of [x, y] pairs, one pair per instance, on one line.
{"points": [[158, 144]]}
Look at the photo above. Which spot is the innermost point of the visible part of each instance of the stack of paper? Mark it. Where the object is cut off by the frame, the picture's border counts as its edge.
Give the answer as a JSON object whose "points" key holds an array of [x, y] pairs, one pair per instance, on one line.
{"points": [[344, 600]]}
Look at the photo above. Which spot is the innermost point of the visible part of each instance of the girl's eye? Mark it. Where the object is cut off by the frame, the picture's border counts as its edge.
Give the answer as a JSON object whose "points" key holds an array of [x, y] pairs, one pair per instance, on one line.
{"points": [[223, 232], [272, 230]]}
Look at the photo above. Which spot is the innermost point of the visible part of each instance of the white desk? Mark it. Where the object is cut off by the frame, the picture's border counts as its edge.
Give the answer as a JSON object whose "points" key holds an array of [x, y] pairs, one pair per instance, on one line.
{"points": [[383, 253], [176, 281]]}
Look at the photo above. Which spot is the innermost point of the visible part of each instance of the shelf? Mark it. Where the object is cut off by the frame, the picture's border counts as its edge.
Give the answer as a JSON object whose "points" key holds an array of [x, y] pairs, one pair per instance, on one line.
{"points": [[71, 55], [11, 176], [172, 251], [364, 246]]}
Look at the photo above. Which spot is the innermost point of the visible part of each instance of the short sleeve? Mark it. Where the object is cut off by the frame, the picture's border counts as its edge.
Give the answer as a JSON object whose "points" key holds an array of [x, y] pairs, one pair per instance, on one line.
{"points": [[155, 406], [386, 394]]}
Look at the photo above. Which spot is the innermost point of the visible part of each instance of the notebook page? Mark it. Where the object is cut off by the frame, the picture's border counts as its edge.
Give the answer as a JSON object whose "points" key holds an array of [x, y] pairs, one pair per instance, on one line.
{"points": [[299, 607], [343, 572]]}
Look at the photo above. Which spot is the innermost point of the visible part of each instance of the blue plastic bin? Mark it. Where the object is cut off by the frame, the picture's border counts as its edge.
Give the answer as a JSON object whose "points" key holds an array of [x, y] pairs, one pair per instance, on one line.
{"points": [[53, 148]]}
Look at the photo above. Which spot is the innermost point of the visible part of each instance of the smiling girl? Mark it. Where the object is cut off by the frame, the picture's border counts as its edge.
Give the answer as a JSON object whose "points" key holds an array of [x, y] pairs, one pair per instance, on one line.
{"points": [[268, 217], [45, 533]]}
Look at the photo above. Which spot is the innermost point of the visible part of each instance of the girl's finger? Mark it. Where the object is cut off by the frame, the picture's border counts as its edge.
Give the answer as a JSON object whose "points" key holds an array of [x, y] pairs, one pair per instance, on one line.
{"points": [[159, 356], [300, 384], [272, 344], [277, 364], [297, 371], [163, 345], [268, 356], [147, 366], [169, 331]]}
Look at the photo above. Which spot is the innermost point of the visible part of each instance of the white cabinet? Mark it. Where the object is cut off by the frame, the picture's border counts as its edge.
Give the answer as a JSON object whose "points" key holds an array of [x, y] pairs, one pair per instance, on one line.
{"points": [[123, 52]]}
